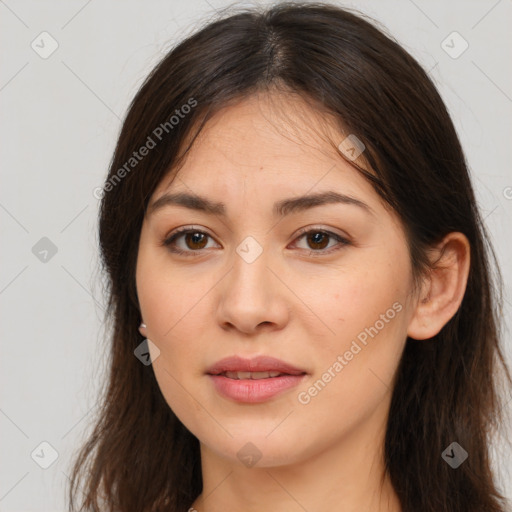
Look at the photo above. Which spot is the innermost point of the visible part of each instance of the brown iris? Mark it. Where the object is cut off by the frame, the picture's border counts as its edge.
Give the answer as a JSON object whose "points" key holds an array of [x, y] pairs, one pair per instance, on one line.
{"points": [[315, 239], [196, 238]]}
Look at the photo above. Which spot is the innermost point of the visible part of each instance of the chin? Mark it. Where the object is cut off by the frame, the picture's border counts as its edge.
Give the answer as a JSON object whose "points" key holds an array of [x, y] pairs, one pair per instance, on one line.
{"points": [[257, 450]]}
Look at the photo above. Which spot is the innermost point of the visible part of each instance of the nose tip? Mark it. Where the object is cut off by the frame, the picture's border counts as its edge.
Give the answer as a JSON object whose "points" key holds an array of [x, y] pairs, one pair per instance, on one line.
{"points": [[250, 302]]}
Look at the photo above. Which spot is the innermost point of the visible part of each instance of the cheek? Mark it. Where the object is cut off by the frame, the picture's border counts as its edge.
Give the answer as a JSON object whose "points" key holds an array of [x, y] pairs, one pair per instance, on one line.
{"points": [[355, 368], [169, 306], [174, 311], [167, 295], [357, 301], [365, 309]]}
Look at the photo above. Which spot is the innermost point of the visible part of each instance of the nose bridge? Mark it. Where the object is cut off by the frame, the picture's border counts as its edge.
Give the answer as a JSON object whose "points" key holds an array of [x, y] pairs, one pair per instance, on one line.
{"points": [[250, 294], [250, 272]]}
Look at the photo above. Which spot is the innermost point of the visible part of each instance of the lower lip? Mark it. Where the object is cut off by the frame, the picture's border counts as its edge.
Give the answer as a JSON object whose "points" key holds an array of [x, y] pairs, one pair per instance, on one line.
{"points": [[254, 390]]}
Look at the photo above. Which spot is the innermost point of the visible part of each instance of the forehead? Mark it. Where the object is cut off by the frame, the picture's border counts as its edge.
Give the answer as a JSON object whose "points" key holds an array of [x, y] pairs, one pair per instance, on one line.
{"points": [[271, 141]]}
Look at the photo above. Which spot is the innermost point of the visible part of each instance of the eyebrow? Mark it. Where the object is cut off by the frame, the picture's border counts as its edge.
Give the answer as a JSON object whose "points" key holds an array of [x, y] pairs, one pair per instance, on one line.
{"points": [[281, 208]]}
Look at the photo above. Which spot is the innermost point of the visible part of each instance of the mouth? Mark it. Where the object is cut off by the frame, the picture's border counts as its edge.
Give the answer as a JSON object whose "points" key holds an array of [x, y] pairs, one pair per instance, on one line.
{"points": [[260, 367], [254, 380], [255, 375]]}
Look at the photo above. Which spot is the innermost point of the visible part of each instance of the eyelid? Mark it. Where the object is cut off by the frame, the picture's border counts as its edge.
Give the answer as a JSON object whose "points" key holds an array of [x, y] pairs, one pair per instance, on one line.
{"points": [[323, 229], [183, 230], [343, 240]]}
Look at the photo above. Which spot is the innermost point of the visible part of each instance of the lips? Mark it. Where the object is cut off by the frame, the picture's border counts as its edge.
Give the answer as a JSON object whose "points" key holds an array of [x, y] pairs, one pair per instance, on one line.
{"points": [[255, 380], [260, 367], [251, 375]]}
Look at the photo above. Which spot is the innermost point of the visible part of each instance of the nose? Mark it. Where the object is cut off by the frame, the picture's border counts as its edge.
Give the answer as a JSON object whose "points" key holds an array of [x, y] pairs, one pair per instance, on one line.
{"points": [[252, 297]]}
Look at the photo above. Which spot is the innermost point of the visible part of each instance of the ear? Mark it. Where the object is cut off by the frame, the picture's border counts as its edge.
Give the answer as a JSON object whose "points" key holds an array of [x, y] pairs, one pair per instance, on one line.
{"points": [[443, 290]]}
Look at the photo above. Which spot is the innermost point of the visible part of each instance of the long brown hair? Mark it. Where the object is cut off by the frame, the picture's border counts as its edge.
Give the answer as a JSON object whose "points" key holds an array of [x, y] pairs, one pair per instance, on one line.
{"points": [[139, 456]]}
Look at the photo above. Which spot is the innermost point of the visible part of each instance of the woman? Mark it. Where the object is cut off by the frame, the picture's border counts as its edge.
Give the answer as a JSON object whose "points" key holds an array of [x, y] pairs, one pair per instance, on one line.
{"points": [[300, 287]]}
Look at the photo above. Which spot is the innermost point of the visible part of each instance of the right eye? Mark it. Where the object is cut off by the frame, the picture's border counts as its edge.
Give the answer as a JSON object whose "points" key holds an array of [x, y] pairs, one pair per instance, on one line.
{"points": [[194, 240]]}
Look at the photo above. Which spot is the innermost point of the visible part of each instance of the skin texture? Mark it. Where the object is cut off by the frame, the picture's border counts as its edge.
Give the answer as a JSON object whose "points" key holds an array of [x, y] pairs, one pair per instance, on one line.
{"points": [[303, 308]]}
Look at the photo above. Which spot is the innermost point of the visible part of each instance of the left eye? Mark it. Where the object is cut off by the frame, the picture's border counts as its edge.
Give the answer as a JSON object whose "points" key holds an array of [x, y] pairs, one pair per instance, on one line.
{"points": [[317, 237], [196, 240]]}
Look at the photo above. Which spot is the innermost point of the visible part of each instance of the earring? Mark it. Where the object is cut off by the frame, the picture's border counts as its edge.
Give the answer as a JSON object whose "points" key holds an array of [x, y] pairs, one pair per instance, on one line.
{"points": [[142, 325]]}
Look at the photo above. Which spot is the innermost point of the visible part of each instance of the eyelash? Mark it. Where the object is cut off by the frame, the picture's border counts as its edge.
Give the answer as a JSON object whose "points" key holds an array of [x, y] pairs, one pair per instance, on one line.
{"points": [[168, 242]]}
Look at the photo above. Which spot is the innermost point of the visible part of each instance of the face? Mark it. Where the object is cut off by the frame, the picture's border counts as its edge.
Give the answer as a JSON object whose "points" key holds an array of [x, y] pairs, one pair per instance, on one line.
{"points": [[324, 287]]}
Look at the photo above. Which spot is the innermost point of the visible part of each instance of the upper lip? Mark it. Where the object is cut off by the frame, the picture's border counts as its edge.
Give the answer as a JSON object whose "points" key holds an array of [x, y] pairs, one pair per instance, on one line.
{"points": [[255, 364]]}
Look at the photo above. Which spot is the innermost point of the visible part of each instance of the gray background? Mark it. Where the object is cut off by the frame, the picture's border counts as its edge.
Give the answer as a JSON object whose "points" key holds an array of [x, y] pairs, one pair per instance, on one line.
{"points": [[60, 119]]}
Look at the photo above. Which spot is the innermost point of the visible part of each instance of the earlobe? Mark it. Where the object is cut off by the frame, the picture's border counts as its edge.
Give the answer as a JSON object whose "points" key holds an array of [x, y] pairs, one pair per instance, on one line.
{"points": [[443, 289]]}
